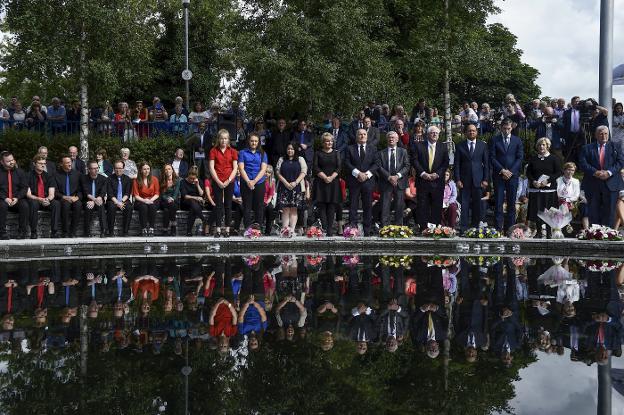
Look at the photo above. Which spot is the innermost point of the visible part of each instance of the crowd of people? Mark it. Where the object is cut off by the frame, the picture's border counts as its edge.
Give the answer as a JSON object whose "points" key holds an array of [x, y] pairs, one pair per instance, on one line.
{"points": [[272, 175], [488, 307]]}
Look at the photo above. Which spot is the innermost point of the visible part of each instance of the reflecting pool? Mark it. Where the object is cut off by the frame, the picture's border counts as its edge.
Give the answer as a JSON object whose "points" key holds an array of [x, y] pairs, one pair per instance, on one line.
{"points": [[311, 334]]}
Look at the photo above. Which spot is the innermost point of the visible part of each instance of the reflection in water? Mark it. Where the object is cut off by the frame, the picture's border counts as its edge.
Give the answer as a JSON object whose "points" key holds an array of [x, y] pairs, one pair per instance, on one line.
{"points": [[303, 334]]}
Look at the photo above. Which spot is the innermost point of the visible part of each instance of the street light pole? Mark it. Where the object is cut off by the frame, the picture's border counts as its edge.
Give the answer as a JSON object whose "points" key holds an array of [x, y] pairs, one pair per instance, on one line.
{"points": [[186, 4], [605, 71]]}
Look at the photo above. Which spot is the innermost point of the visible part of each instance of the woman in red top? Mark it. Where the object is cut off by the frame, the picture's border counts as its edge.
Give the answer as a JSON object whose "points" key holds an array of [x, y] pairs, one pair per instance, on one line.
{"points": [[146, 190], [222, 165], [223, 323]]}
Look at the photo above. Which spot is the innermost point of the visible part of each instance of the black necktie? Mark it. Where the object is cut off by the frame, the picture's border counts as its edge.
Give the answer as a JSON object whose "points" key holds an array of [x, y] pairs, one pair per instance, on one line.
{"points": [[362, 153], [471, 148], [392, 163]]}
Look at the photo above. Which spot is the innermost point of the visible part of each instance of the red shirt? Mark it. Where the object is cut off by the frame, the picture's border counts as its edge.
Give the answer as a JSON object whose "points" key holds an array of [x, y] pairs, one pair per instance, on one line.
{"points": [[146, 192], [223, 161]]}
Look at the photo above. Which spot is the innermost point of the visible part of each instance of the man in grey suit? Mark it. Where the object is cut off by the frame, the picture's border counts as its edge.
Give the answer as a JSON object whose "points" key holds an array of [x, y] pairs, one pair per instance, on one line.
{"points": [[371, 132], [393, 167]]}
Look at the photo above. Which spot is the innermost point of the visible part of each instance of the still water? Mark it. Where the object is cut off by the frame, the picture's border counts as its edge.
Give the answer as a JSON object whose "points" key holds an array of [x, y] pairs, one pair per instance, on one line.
{"points": [[310, 334]]}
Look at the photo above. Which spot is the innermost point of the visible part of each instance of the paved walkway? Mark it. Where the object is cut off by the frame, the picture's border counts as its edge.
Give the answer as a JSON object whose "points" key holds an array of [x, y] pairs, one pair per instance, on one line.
{"points": [[139, 246]]}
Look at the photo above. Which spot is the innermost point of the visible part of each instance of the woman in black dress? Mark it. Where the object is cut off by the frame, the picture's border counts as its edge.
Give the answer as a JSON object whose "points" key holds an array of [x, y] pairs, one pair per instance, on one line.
{"points": [[290, 172], [542, 172], [326, 166]]}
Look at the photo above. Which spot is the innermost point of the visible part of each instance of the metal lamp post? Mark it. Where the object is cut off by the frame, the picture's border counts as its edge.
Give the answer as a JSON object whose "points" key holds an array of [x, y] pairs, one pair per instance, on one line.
{"points": [[186, 73]]}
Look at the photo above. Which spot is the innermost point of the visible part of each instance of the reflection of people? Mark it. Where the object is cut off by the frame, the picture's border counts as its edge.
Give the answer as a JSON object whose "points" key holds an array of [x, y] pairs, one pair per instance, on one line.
{"points": [[392, 325], [471, 313], [223, 323], [362, 329], [601, 162]]}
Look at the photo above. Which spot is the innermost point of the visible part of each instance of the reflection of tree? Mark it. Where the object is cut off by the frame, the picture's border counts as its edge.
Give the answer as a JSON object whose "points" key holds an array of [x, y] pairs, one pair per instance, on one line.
{"points": [[297, 378]]}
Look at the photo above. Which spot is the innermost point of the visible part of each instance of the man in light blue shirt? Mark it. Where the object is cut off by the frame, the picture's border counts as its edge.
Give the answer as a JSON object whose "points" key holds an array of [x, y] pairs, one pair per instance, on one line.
{"points": [[56, 116]]}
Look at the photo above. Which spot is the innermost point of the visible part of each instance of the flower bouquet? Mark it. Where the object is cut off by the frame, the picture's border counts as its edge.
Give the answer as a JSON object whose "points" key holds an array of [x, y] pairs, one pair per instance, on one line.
{"points": [[286, 232], [396, 231], [557, 219], [251, 260], [440, 261], [482, 233], [253, 232], [350, 232], [396, 261], [438, 231], [521, 231], [314, 260], [314, 232], [598, 265], [483, 261], [519, 261], [554, 275], [599, 233], [350, 260]]}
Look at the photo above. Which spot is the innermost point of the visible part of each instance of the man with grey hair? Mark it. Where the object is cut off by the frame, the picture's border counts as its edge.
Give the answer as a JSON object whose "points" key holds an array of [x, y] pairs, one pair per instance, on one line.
{"points": [[430, 160], [601, 163], [56, 116], [76, 163], [393, 170]]}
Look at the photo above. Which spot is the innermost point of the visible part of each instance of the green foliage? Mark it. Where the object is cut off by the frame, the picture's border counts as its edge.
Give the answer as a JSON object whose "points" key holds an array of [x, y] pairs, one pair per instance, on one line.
{"points": [[156, 151]]}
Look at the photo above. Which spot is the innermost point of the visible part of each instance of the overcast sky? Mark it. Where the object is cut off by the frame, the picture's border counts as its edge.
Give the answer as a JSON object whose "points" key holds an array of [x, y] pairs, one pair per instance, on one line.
{"points": [[561, 38]]}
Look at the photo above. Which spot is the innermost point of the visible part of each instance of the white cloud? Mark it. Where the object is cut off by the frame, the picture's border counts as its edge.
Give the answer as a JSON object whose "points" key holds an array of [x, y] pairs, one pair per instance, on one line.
{"points": [[561, 39]]}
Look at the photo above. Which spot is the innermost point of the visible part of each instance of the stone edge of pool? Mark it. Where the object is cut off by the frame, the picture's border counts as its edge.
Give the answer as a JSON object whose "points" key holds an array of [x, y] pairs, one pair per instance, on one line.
{"points": [[145, 247]]}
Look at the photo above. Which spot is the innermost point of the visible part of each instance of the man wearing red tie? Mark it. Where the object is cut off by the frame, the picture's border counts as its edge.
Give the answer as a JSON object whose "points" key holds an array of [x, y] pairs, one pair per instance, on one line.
{"points": [[41, 190], [13, 188], [601, 162]]}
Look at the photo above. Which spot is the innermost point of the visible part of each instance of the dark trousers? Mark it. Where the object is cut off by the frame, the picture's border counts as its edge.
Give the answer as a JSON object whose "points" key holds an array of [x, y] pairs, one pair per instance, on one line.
{"points": [[111, 210], [223, 201], [88, 217], [70, 215], [253, 199], [470, 199], [195, 211], [363, 191], [20, 207], [269, 217], [169, 211], [505, 190], [54, 210], [237, 215], [387, 195], [327, 213], [429, 206], [147, 213], [601, 204]]}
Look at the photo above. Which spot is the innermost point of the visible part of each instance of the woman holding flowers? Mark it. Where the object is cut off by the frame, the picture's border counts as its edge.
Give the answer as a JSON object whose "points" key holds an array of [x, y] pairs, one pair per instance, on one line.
{"points": [[542, 172]]}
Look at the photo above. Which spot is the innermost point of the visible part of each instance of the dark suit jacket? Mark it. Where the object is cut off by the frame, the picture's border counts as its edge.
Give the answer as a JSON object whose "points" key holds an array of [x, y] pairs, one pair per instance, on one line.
{"points": [[506, 328], [19, 180], [74, 184], [472, 169], [373, 136], [420, 161], [612, 334], [420, 325], [589, 162], [108, 168], [567, 122], [184, 167], [352, 161], [352, 132], [341, 142], [80, 166], [383, 168], [126, 186], [363, 327], [392, 320], [557, 132], [510, 159], [276, 145], [101, 185], [308, 140]]}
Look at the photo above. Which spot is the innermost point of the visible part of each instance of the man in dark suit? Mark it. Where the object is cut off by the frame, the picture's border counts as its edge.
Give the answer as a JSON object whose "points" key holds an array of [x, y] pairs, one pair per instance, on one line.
{"points": [[180, 166], [362, 327], [119, 190], [69, 193], [393, 170], [429, 325], [360, 163], [506, 154], [506, 331], [277, 142], [470, 313], [601, 163], [339, 135], [472, 169], [94, 195], [573, 130], [305, 142], [41, 191], [372, 132], [430, 160], [355, 125], [550, 127], [199, 146], [76, 163], [13, 189]]}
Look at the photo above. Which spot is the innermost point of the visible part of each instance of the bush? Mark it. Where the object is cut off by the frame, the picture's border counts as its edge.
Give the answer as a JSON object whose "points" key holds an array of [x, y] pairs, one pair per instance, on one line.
{"points": [[24, 144]]}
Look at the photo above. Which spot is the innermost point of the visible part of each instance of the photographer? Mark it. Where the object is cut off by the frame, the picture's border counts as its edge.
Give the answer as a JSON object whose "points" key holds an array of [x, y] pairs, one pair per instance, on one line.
{"points": [[597, 116], [551, 127]]}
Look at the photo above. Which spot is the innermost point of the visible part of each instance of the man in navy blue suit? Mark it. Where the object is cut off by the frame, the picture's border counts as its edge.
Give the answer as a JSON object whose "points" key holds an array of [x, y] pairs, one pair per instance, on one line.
{"points": [[471, 175], [551, 127], [360, 163], [601, 163], [506, 154]]}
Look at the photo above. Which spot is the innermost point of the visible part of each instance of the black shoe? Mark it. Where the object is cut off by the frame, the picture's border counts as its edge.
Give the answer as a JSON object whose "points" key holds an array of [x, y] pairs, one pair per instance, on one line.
{"points": [[189, 234], [33, 235]]}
